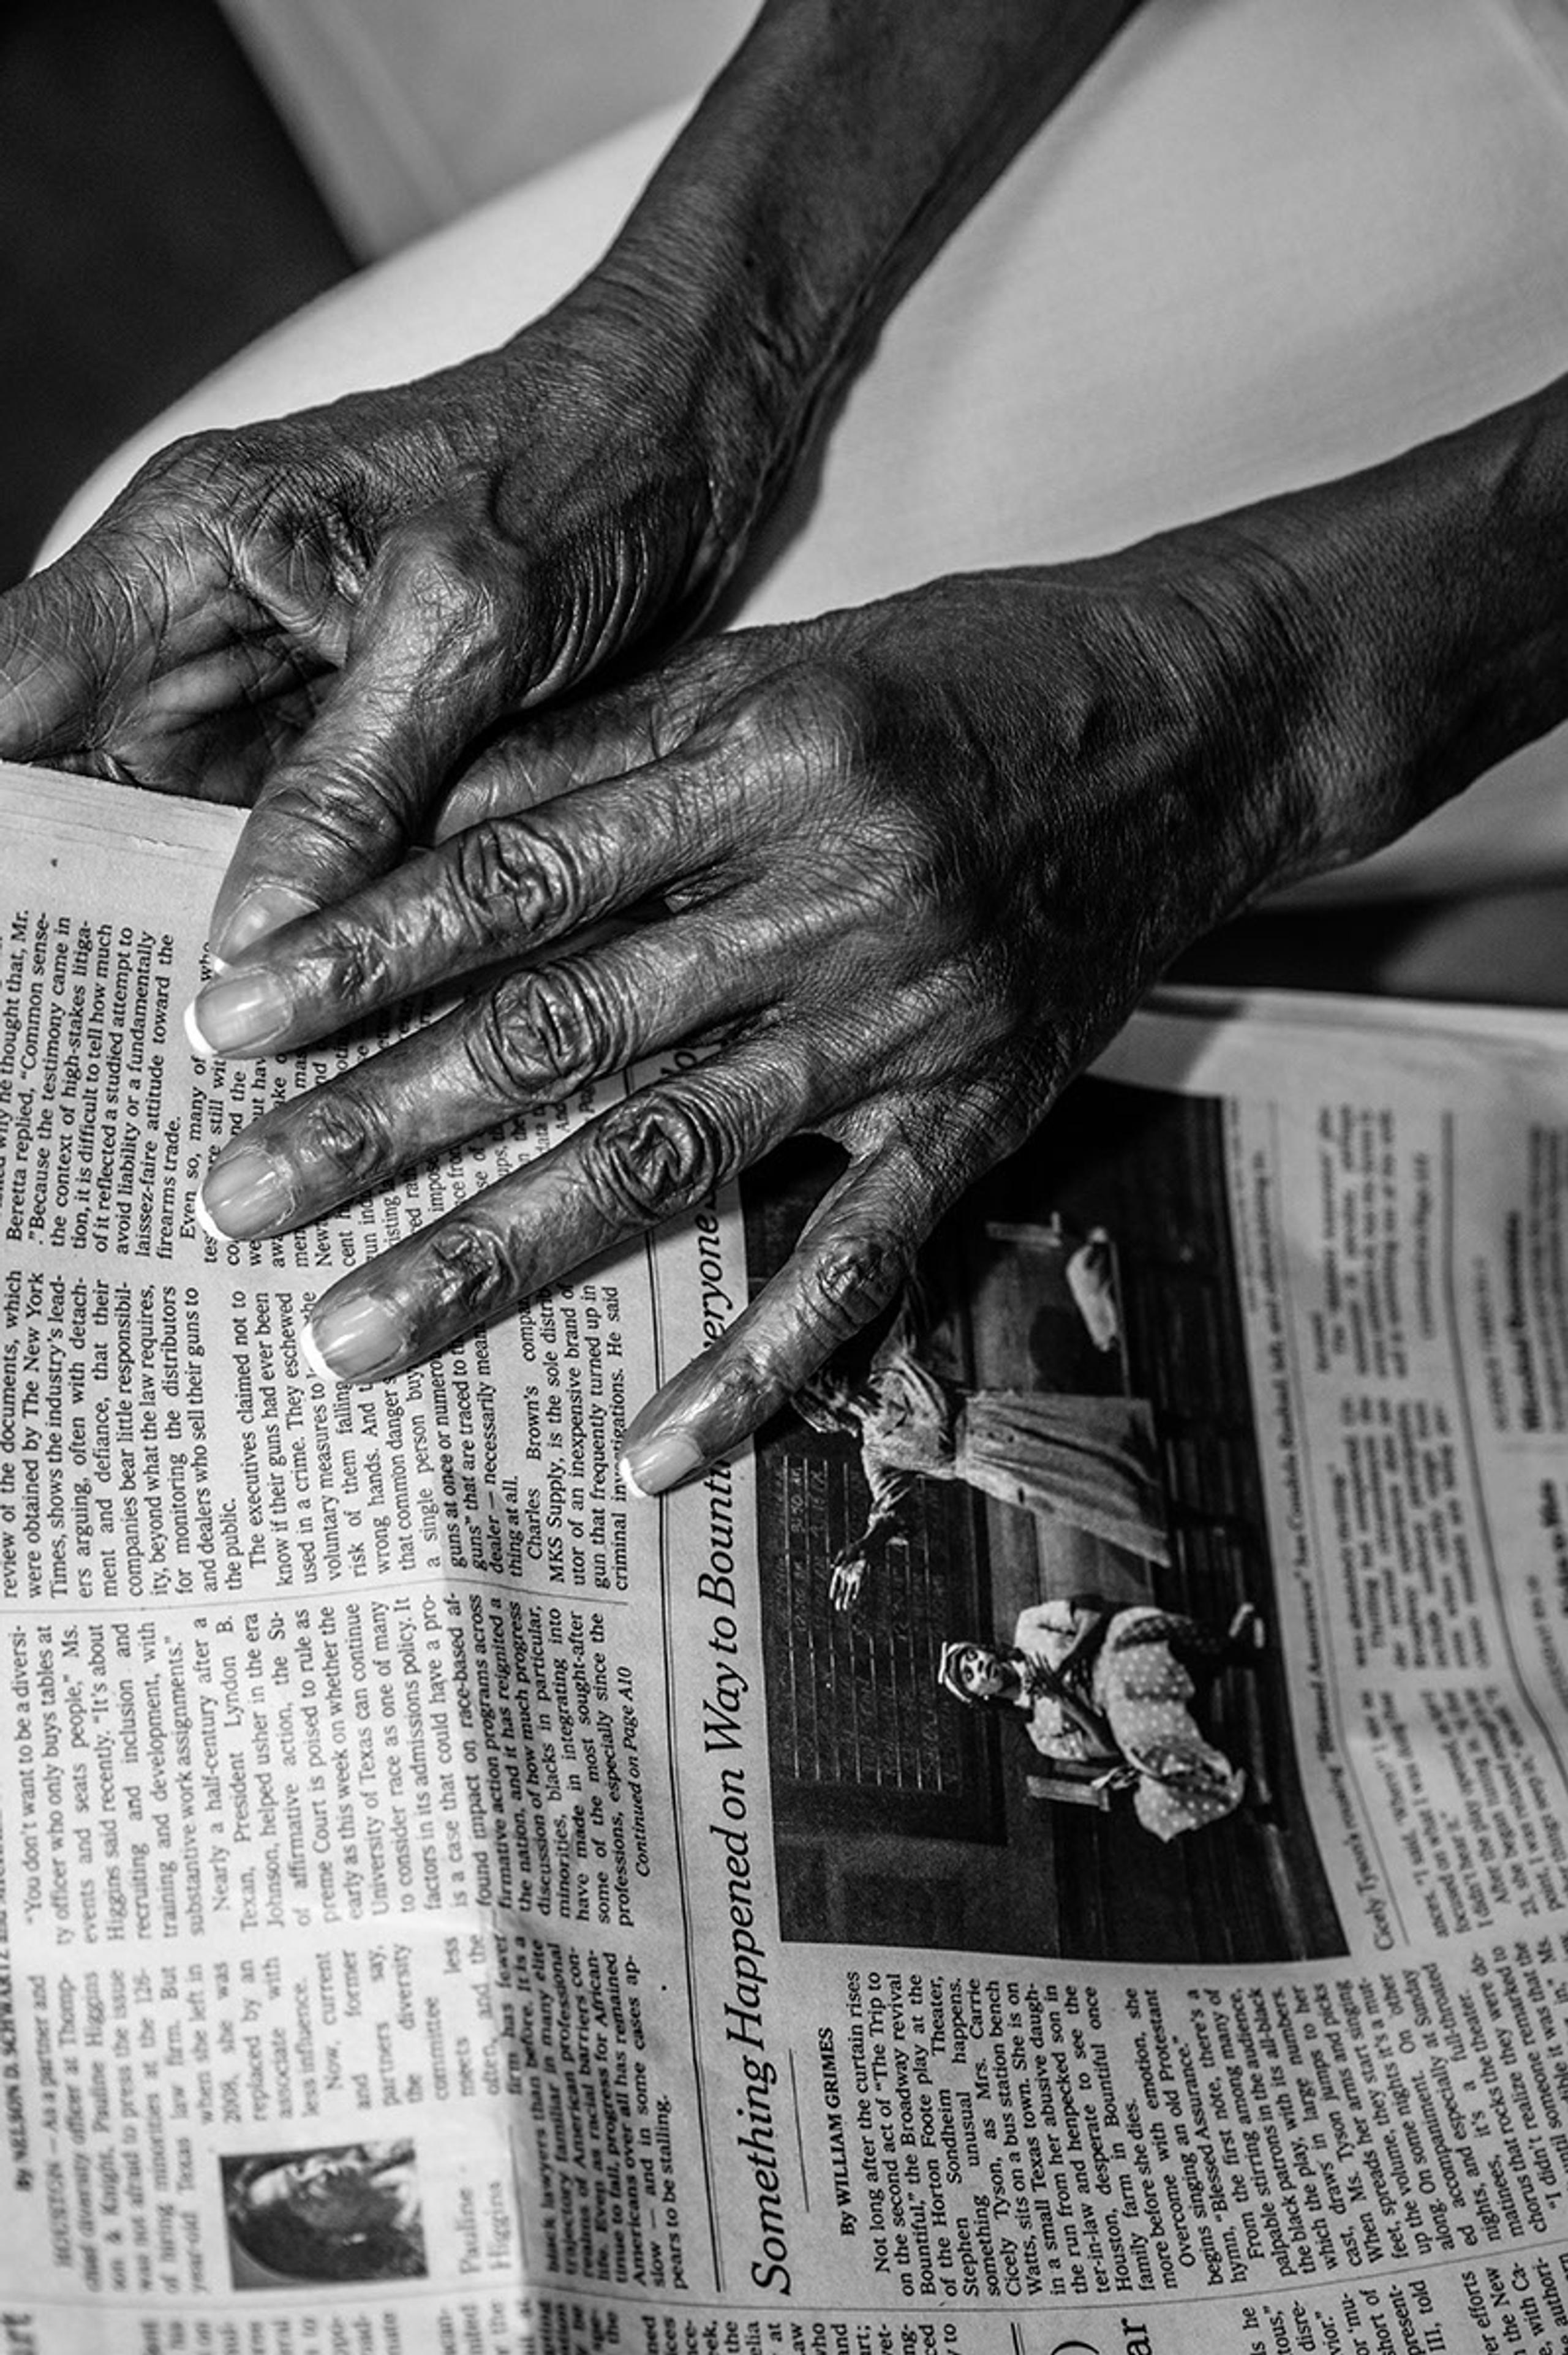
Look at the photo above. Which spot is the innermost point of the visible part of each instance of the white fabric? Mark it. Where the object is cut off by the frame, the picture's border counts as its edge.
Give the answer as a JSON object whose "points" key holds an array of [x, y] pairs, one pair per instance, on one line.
{"points": [[409, 112], [1266, 241]]}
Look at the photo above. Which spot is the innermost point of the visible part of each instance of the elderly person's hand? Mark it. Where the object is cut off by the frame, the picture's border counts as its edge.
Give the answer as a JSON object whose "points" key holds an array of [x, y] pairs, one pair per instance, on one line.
{"points": [[335, 610], [332, 609], [916, 862]]}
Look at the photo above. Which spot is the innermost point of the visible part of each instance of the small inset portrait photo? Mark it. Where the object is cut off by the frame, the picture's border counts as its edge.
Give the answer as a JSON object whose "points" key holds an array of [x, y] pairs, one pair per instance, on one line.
{"points": [[347, 2212]]}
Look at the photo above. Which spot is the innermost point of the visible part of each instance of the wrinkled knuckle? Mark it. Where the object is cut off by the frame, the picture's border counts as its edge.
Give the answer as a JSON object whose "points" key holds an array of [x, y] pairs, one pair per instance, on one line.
{"points": [[357, 970], [834, 710], [576, 1025], [476, 1276], [426, 554], [551, 1028], [346, 1136], [847, 1284], [743, 1391], [657, 1153], [196, 462], [515, 877], [817, 713], [441, 564]]}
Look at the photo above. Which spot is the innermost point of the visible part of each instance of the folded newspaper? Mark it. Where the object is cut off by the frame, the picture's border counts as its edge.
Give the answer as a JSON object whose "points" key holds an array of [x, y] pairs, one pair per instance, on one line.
{"points": [[1065, 1849]]}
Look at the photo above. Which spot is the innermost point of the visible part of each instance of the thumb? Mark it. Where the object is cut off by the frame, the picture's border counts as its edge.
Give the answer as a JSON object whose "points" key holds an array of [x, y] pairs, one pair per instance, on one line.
{"points": [[431, 664]]}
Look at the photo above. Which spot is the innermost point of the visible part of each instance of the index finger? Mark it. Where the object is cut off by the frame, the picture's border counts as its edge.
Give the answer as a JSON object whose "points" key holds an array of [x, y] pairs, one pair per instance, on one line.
{"points": [[504, 888]]}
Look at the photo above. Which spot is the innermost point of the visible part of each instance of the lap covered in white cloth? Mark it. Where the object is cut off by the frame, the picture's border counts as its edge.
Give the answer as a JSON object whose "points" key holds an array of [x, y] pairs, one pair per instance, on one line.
{"points": [[1266, 241]]}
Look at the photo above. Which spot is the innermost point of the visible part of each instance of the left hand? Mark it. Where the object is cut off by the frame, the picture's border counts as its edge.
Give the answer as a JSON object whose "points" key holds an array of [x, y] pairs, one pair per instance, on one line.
{"points": [[916, 861], [322, 613]]}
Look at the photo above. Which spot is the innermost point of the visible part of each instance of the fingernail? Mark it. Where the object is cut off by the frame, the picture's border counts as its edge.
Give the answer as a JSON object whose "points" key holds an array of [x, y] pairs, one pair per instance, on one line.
{"points": [[651, 1465], [348, 1341], [265, 910], [204, 1220], [244, 1194], [230, 1016]]}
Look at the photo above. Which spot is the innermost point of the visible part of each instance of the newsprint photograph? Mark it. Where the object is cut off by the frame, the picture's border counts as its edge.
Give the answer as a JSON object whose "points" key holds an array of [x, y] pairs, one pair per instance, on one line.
{"points": [[1024, 1686]]}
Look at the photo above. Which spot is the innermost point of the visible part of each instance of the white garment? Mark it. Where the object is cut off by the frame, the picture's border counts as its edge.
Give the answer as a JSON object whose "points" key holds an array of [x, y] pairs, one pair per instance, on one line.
{"points": [[1265, 242]]}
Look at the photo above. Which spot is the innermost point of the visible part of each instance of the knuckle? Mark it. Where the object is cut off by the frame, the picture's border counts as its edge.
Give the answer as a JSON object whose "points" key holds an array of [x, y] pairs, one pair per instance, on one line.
{"points": [[230, 481], [474, 1273], [656, 1154], [844, 1284], [345, 1133], [826, 711], [554, 1027], [816, 715], [512, 875], [745, 1387], [447, 569], [200, 462], [355, 971], [434, 560]]}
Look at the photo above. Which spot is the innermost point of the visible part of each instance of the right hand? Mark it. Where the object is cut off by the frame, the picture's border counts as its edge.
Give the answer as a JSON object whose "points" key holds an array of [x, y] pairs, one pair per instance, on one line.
{"points": [[325, 614], [846, 1577], [905, 868]]}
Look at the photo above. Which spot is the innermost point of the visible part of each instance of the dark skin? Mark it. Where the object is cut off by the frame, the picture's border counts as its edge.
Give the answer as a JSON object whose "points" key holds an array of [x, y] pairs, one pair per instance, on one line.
{"points": [[917, 861], [846, 826], [320, 615], [329, 614]]}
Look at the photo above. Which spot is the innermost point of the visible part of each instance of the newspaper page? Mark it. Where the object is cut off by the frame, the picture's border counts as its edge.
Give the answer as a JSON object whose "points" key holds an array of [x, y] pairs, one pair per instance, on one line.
{"points": [[1060, 1850]]}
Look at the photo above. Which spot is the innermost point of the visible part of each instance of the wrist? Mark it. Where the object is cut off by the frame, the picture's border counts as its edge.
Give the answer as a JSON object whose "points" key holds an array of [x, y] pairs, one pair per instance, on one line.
{"points": [[642, 378], [1419, 616], [704, 365], [824, 168]]}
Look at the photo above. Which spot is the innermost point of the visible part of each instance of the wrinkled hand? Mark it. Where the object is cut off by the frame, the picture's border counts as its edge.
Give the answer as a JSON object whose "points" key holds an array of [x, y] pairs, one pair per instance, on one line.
{"points": [[331, 610], [916, 862]]}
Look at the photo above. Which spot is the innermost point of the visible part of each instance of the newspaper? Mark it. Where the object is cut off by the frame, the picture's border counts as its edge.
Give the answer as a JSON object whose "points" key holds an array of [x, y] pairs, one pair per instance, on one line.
{"points": [[1060, 1849]]}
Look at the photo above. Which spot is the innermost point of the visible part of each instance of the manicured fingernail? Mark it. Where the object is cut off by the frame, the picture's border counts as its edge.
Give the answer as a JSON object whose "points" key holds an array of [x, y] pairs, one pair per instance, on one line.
{"points": [[651, 1465], [245, 1194], [231, 1016], [260, 911], [348, 1341]]}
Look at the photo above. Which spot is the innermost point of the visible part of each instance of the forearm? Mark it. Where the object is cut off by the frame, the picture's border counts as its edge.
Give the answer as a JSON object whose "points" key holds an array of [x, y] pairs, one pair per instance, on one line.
{"points": [[825, 167], [884, 1524], [1422, 609]]}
